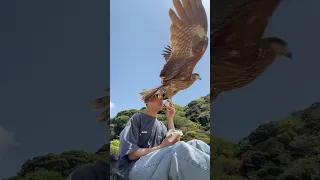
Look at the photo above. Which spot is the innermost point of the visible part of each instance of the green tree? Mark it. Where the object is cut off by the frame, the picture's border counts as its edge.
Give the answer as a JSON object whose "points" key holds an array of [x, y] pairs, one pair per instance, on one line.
{"points": [[118, 123], [114, 147], [43, 175]]}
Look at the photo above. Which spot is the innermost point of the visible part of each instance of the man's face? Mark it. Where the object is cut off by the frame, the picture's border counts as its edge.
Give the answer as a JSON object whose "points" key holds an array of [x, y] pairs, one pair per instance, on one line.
{"points": [[155, 103]]}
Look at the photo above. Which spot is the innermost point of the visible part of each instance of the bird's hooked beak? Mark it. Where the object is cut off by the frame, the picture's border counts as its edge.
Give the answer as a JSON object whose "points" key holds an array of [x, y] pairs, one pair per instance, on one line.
{"points": [[289, 55]]}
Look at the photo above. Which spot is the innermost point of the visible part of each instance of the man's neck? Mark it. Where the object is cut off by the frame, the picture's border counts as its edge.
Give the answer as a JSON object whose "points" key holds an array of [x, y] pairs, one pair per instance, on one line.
{"points": [[152, 112]]}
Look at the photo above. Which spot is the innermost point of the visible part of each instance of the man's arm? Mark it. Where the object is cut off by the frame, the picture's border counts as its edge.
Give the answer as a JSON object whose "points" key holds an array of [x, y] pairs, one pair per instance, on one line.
{"points": [[170, 123], [129, 138], [170, 114], [141, 152], [144, 151]]}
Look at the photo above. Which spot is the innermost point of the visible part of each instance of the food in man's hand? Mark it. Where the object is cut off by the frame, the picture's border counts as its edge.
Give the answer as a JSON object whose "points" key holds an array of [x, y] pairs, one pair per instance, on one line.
{"points": [[174, 133], [168, 104]]}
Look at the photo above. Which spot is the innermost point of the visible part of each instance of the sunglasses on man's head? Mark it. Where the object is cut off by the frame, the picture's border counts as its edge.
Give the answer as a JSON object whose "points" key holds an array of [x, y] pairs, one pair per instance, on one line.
{"points": [[163, 97]]}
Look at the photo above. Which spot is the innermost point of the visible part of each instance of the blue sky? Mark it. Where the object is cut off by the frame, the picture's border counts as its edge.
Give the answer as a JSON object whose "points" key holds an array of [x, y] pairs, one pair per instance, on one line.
{"points": [[139, 32]]}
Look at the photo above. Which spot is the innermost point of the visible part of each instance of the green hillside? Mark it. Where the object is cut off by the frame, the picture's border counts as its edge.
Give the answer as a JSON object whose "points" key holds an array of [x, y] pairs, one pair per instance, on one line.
{"points": [[287, 149]]}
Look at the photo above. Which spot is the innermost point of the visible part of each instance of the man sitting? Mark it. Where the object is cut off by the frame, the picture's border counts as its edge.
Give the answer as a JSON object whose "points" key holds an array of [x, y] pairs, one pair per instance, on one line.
{"points": [[147, 154]]}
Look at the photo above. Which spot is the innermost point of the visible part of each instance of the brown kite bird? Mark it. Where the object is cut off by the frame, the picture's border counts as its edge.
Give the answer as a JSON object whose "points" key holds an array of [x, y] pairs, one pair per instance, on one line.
{"points": [[239, 53], [103, 102], [188, 43]]}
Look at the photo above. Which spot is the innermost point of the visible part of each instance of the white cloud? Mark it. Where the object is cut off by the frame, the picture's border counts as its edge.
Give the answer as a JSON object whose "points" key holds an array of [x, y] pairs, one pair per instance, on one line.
{"points": [[112, 105], [7, 139]]}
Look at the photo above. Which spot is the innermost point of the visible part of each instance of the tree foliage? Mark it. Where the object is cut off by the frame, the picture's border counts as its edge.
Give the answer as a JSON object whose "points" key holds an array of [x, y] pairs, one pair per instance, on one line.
{"points": [[57, 166], [287, 149], [114, 147]]}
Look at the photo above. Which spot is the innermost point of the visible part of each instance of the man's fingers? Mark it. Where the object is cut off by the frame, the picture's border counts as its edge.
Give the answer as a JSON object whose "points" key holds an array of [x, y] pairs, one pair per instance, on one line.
{"points": [[178, 137], [168, 137], [170, 108]]}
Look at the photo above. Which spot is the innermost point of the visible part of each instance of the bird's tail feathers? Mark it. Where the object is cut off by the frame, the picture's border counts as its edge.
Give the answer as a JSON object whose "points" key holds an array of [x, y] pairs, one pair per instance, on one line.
{"points": [[145, 95]]}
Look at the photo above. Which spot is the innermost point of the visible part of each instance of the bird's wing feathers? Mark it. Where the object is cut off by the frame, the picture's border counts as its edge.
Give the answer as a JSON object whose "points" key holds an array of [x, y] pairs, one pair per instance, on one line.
{"points": [[186, 32], [246, 21], [100, 102], [188, 67], [220, 10], [167, 52], [103, 102], [104, 116], [234, 54]]}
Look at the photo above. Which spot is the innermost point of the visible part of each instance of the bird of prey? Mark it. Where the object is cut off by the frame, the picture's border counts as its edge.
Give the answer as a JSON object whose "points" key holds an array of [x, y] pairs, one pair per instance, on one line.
{"points": [[188, 43], [239, 53], [103, 102]]}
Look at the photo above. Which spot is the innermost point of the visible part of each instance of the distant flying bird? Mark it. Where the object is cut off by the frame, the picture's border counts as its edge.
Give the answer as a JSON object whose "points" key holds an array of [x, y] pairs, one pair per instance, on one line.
{"points": [[239, 54], [188, 43], [103, 102]]}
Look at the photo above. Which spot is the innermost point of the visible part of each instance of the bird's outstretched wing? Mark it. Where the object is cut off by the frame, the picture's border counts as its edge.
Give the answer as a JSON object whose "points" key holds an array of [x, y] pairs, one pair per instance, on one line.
{"points": [[187, 31], [220, 10], [244, 21]]}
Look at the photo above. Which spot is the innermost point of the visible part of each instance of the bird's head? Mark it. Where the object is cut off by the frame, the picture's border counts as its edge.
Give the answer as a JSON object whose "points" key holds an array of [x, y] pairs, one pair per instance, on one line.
{"points": [[196, 76], [280, 47]]}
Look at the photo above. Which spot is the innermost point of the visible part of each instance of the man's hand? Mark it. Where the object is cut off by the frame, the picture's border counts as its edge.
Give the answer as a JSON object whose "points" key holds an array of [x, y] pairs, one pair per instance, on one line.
{"points": [[144, 151], [168, 142]]}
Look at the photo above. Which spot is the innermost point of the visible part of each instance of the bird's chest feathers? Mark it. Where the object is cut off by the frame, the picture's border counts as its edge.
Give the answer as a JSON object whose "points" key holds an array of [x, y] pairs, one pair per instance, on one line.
{"points": [[173, 87], [266, 55], [183, 78]]}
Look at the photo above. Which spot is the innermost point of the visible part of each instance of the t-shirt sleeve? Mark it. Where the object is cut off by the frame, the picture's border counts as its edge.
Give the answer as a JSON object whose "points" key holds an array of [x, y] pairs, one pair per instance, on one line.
{"points": [[129, 137]]}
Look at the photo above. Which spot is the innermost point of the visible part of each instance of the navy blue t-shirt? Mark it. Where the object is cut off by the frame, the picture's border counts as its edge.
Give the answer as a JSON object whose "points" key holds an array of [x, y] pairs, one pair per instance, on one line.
{"points": [[141, 131]]}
